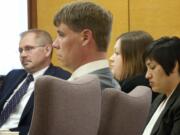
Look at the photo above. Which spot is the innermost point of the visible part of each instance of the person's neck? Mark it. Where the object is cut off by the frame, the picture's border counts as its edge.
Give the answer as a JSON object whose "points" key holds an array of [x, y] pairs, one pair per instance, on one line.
{"points": [[88, 61], [39, 68], [172, 86]]}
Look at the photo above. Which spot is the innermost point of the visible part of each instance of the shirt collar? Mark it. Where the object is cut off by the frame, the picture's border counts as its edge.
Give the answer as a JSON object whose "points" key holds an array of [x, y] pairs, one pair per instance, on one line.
{"points": [[89, 68], [39, 73]]}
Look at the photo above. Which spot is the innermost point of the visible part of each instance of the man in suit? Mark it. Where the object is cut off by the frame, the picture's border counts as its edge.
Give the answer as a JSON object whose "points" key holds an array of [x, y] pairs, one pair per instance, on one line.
{"points": [[84, 30], [163, 72], [35, 48]]}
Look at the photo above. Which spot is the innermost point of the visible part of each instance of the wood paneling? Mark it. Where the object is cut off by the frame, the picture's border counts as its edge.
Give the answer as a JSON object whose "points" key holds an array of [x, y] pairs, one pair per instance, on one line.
{"points": [[119, 9], [32, 14], [159, 17]]}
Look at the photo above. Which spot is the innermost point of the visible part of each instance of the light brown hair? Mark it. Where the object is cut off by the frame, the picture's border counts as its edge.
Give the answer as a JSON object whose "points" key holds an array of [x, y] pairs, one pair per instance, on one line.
{"points": [[132, 47], [87, 15], [42, 36]]}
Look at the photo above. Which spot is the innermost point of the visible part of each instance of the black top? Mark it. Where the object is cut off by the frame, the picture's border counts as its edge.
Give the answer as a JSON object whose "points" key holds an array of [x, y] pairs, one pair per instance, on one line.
{"points": [[129, 84]]}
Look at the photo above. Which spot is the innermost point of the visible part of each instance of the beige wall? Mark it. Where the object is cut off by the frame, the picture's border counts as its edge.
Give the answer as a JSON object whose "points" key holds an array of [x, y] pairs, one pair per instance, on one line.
{"points": [[158, 17]]}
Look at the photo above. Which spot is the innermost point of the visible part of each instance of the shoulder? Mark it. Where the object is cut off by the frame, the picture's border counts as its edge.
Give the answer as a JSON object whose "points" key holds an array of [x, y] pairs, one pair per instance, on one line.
{"points": [[58, 72], [12, 77], [15, 72], [176, 105], [128, 84], [106, 78], [140, 80]]}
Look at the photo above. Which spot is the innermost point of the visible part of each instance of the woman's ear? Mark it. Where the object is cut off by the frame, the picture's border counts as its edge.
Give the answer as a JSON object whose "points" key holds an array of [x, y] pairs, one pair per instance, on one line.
{"points": [[86, 36]]}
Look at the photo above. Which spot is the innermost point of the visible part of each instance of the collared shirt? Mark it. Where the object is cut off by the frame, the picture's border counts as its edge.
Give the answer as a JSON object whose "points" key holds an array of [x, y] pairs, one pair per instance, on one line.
{"points": [[154, 118], [89, 68], [14, 118]]}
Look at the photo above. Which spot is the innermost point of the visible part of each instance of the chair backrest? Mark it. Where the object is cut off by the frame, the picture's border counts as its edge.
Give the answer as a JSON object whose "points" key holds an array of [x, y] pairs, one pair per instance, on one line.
{"points": [[124, 114], [66, 108]]}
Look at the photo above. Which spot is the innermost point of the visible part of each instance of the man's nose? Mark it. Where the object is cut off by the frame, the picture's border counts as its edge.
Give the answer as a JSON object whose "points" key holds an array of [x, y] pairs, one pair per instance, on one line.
{"points": [[55, 43]]}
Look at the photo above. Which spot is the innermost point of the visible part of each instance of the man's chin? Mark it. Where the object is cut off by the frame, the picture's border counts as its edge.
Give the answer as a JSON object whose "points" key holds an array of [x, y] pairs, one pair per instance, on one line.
{"points": [[26, 67], [62, 63], [66, 66]]}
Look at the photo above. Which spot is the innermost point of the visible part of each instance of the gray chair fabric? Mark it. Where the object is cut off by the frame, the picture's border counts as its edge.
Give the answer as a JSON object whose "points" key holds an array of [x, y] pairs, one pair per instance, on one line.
{"points": [[124, 114], [80, 108], [66, 108]]}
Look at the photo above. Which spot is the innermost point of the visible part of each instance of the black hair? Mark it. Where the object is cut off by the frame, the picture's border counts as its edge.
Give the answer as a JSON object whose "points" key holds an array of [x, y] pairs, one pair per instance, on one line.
{"points": [[166, 52]]}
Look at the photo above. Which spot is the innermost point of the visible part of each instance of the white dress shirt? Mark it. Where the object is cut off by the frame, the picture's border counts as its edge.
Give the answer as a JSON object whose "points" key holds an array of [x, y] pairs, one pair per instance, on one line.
{"points": [[14, 118], [89, 68]]}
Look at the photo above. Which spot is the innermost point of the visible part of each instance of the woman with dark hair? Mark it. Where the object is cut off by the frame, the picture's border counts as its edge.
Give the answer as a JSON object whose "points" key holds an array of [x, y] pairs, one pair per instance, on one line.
{"points": [[127, 61], [162, 59]]}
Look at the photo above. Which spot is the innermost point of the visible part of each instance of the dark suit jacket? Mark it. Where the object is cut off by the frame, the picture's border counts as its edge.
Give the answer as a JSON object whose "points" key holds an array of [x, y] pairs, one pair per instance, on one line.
{"points": [[1, 80], [106, 78], [12, 80], [168, 122]]}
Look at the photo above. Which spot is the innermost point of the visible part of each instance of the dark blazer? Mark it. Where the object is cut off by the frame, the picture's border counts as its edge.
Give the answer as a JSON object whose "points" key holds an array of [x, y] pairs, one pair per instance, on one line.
{"points": [[106, 78], [12, 80], [129, 84], [168, 122], [1, 80]]}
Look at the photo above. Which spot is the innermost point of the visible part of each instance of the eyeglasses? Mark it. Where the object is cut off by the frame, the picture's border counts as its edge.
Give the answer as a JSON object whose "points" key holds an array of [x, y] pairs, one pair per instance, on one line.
{"points": [[28, 49]]}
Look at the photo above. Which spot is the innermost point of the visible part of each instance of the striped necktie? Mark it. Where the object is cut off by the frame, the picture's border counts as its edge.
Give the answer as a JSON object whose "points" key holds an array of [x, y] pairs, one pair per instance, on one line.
{"points": [[14, 101]]}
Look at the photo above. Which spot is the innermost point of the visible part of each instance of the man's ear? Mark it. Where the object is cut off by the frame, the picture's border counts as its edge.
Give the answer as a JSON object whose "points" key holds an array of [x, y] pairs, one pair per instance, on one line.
{"points": [[86, 36], [48, 49]]}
